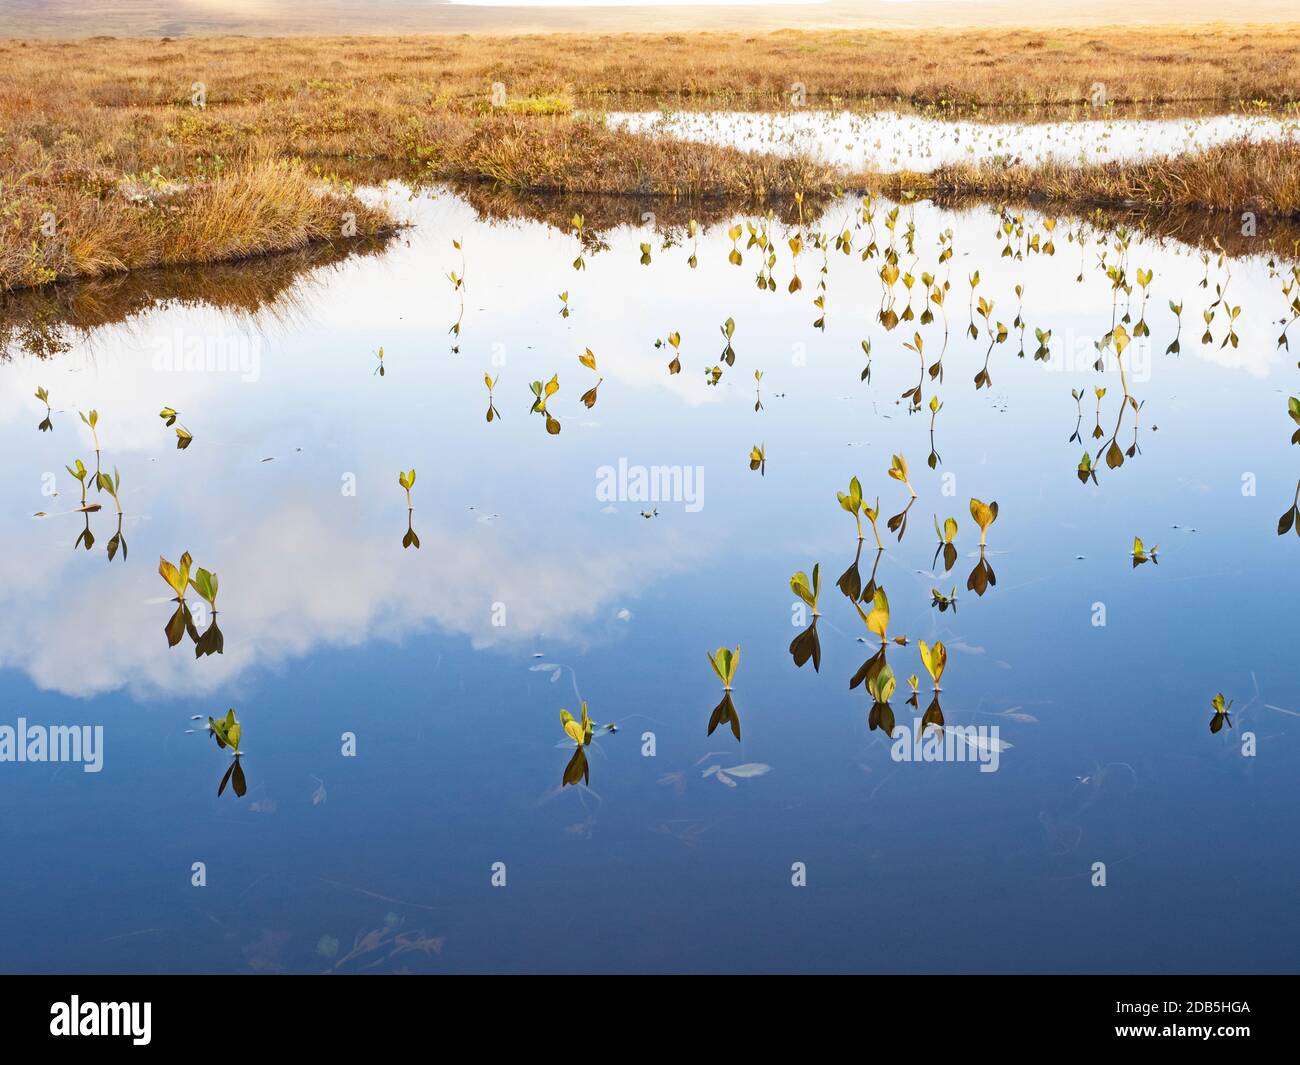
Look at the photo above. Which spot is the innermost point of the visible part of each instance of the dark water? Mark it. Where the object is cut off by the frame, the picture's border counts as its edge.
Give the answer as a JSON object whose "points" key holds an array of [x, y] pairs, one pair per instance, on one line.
{"points": [[450, 663]]}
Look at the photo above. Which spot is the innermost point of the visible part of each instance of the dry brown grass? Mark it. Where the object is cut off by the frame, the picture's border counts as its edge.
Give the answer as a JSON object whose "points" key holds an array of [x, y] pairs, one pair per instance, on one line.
{"points": [[991, 68], [84, 124], [1263, 177], [585, 156], [102, 224]]}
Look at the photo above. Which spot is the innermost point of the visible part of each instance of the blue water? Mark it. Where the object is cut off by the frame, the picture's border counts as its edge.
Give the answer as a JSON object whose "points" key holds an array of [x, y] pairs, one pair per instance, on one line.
{"points": [[331, 627]]}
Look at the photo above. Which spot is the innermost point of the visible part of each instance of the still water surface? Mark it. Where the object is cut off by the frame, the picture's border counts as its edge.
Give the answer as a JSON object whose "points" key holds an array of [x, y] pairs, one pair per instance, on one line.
{"points": [[530, 591], [885, 142]]}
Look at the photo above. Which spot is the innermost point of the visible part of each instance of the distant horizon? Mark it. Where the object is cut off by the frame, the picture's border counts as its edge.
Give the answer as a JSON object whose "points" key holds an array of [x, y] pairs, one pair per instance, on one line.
{"points": [[74, 19], [642, 3]]}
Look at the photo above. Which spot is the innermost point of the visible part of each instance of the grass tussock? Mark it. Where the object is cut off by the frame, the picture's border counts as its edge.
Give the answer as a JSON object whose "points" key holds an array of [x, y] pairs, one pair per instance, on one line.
{"points": [[89, 223], [587, 157], [1262, 177]]}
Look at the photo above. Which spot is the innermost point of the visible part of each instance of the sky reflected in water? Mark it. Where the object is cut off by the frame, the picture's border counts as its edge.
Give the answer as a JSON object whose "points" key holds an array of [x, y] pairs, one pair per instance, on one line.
{"points": [[530, 593]]}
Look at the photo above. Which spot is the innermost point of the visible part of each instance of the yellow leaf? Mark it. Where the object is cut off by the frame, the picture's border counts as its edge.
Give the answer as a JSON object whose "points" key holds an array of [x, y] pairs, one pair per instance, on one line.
{"points": [[933, 658], [1121, 339], [983, 513], [572, 728], [878, 619], [169, 573]]}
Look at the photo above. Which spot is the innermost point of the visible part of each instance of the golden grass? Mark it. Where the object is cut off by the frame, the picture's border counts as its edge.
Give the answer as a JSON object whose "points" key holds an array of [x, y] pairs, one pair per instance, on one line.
{"points": [[103, 134], [1263, 177], [96, 223], [586, 156], [991, 68]]}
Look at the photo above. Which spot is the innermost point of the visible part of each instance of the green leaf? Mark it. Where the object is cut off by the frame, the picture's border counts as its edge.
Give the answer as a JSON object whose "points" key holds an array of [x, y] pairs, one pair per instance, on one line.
{"points": [[725, 663], [800, 586], [882, 683], [205, 583]]}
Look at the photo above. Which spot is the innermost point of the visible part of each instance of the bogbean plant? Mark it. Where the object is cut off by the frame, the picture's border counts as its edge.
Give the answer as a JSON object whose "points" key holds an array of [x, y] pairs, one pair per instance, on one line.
{"points": [[227, 731], [406, 479], [102, 482], [1221, 712], [580, 731], [46, 424], [542, 393], [183, 436], [982, 576], [113, 486], [725, 662], [205, 584], [588, 398], [1141, 553]]}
